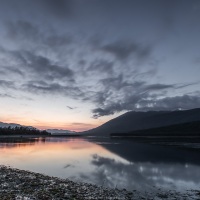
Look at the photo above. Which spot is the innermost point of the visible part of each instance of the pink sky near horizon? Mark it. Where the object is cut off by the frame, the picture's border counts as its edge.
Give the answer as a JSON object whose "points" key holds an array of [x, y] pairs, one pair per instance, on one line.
{"points": [[73, 127]]}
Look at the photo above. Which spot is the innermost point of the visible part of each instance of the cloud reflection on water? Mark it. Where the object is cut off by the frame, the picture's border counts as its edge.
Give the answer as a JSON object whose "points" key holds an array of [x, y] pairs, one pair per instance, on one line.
{"points": [[143, 175]]}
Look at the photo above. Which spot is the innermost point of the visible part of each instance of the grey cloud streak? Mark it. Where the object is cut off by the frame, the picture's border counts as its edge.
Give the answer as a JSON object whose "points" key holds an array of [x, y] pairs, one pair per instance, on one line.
{"points": [[6, 96], [7, 84], [29, 62], [71, 108], [52, 88], [122, 50], [43, 65], [142, 103], [121, 95], [101, 66]]}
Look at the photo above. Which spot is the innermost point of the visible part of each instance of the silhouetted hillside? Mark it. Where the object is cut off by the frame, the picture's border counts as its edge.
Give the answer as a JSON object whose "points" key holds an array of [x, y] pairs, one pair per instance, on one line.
{"points": [[185, 129], [12, 125], [144, 120], [21, 131]]}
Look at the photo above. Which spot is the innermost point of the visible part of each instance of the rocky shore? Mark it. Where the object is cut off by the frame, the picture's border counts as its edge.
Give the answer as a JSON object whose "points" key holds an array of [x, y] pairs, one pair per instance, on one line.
{"points": [[18, 184]]}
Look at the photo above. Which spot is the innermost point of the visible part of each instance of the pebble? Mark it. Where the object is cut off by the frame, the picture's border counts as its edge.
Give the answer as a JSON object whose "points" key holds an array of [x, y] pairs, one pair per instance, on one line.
{"points": [[18, 184]]}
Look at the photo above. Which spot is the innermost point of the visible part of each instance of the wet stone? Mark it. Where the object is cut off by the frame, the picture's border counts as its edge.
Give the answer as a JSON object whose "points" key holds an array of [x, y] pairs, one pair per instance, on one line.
{"points": [[24, 185]]}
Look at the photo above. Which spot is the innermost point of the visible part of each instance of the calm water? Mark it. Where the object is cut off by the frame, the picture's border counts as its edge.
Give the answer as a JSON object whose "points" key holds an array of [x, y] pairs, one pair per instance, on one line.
{"points": [[112, 163]]}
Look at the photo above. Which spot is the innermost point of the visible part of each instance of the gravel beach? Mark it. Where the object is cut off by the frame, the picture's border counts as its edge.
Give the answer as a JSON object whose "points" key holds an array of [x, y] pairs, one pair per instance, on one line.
{"points": [[24, 185]]}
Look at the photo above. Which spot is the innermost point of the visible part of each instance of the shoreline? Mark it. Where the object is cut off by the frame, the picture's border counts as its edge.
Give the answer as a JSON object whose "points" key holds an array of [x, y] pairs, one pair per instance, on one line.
{"points": [[21, 184], [191, 144]]}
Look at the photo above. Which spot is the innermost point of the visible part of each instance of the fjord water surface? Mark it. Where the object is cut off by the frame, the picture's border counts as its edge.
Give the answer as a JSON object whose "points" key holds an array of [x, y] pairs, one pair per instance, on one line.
{"points": [[108, 162]]}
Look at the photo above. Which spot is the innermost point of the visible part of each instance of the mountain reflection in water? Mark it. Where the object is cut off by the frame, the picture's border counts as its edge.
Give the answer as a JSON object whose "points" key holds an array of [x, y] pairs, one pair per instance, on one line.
{"points": [[112, 163]]}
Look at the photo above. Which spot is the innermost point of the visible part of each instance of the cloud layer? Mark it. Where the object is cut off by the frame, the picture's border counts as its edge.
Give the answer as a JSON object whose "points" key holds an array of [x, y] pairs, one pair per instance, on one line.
{"points": [[110, 59]]}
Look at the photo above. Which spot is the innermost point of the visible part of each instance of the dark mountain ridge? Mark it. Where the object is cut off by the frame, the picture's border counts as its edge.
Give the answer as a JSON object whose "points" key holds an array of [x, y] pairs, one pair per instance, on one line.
{"points": [[133, 120]]}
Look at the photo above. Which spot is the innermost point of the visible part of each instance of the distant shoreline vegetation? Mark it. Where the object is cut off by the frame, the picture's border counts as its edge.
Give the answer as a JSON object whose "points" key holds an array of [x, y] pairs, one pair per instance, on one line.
{"points": [[22, 131]]}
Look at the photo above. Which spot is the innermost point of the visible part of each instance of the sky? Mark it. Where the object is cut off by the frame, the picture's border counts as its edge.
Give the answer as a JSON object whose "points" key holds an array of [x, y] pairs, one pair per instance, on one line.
{"points": [[75, 64]]}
